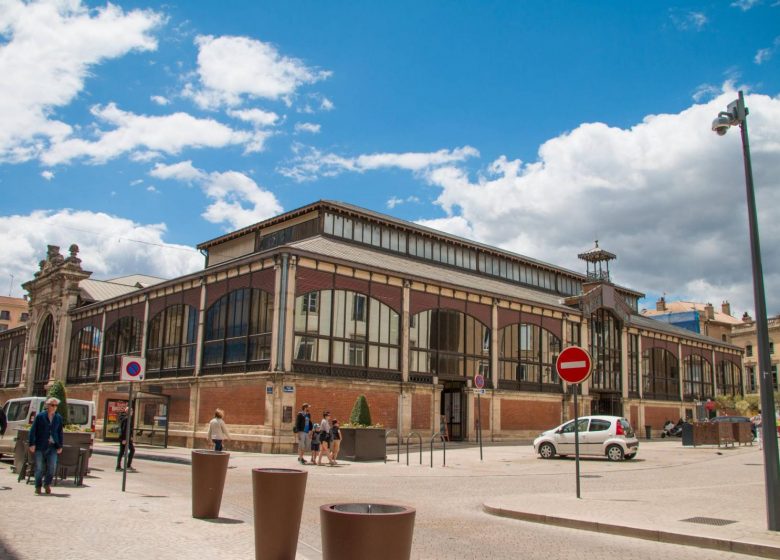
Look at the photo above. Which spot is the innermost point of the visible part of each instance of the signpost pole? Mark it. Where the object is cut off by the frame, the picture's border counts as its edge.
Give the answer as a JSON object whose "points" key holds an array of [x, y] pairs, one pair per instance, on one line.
{"points": [[576, 438], [127, 434], [479, 425]]}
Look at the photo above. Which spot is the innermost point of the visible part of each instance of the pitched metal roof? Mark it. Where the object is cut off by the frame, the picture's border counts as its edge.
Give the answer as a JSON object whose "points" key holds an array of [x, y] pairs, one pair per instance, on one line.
{"points": [[422, 270], [101, 290]]}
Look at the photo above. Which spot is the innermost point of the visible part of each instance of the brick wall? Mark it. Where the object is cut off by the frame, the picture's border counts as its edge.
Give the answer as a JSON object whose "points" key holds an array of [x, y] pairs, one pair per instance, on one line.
{"points": [[485, 406], [421, 412], [339, 401], [529, 415], [656, 416], [179, 410], [243, 404], [79, 394]]}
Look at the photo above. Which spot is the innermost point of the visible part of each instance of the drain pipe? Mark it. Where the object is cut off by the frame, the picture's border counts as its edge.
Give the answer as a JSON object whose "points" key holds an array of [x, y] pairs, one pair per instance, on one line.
{"points": [[282, 326]]}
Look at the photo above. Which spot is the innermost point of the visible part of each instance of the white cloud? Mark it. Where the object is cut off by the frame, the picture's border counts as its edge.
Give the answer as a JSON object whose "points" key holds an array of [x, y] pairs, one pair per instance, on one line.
{"points": [[237, 200], [131, 132], [763, 55], [230, 68], [257, 117], [48, 175], [110, 246], [46, 52], [688, 20], [395, 201], [160, 100], [152, 189], [744, 5], [307, 127], [667, 195], [315, 164]]}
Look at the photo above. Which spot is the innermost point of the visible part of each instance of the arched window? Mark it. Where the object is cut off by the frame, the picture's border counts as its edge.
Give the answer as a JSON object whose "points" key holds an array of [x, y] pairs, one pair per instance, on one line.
{"points": [[11, 354], [346, 328], [448, 343], [605, 331], [697, 378], [238, 330], [729, 378], [170, 347], [123, 337], [43, 351], [526, 355], [83, 357], [661, 374]]}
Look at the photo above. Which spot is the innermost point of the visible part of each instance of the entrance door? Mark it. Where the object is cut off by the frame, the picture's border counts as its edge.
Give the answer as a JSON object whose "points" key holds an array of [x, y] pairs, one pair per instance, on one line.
{"points": [[607, 404], [453, 410]]}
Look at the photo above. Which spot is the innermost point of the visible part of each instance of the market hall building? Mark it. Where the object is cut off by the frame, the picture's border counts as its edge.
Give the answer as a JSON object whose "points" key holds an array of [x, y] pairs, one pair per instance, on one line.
{"points": [[330, 301]]}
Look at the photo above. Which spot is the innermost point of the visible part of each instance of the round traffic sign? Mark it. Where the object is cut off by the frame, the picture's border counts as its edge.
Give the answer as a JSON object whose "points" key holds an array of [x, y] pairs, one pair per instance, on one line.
{"points": [[133, 369], [479, 381], [573, 364]]}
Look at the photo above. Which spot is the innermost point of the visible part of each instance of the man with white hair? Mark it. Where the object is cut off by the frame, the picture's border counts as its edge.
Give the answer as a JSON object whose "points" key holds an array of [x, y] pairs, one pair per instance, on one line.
{"points": [[46, 437]]}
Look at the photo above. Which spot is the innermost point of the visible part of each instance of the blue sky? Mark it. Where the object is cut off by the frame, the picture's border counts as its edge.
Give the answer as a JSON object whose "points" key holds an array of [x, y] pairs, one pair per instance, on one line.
{"points": [[139, 129]]}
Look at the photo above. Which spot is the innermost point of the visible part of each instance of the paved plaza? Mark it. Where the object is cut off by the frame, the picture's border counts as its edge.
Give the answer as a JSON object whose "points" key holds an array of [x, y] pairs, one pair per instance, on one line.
{"points": [[511, 504]]}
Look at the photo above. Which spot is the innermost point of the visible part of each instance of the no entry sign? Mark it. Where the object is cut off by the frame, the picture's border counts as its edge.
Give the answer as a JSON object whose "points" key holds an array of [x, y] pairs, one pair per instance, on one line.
{"points": [[573, 364]]}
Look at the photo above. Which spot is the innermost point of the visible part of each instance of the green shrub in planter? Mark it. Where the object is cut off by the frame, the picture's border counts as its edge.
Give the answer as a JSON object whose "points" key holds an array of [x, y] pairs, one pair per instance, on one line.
{"points": [[361, 415], [57, 390]]}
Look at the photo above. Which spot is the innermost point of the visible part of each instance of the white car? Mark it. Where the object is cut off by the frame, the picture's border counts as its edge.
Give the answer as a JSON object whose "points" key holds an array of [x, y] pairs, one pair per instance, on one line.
{"points": [[610, 436]]}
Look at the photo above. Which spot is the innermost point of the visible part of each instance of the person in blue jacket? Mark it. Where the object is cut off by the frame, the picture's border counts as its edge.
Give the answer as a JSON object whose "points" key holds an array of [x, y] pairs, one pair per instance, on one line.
{"points": [[46, 437]]}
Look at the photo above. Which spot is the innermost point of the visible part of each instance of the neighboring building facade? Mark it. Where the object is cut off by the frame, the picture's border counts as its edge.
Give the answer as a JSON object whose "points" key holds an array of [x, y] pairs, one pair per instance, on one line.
{"points": [[330, 301], [13, 312], [701, 318], [744, 336]]}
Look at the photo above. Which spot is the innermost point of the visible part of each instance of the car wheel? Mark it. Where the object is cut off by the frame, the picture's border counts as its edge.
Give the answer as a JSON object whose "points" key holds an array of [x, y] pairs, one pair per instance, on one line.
{"points": [[615, 453], [630, 456], [546, 451]]}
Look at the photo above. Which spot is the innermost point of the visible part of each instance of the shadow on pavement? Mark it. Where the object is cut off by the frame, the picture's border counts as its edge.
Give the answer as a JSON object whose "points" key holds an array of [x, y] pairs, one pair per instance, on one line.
{"points": [[224, 521], [6, 553]]}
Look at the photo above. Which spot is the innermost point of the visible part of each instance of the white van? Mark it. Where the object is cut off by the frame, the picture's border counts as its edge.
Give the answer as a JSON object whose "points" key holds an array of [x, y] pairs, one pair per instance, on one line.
{"points": [[20, 412]]}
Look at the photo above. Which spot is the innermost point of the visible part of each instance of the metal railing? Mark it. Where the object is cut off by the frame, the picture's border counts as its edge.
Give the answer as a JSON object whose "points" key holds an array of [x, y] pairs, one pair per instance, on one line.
{"points": [[389, 433], [419, 441]]}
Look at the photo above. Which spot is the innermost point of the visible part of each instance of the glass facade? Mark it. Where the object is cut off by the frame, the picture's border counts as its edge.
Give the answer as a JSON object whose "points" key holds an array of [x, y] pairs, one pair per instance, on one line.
{"points": [[633, 365], [83, 356], [171, 343], [605, 350], [661, 375], [123, 337], [238, 328], [729, 378], [11, 356], [448, 343], [43, 351], [697, 379], [346, 328], [527, 354]]}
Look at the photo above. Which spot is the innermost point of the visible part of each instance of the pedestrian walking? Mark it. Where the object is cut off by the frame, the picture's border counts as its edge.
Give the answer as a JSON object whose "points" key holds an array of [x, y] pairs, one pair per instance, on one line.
{"points": [[45, 439], [218, 430], [325, 438], [335, 441], [125, 421], [443, 427], [756, 421], [315, 443], [3, 422], [302, 429]]}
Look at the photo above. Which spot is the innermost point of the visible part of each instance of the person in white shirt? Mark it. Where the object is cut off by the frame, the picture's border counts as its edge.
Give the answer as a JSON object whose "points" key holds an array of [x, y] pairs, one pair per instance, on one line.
{"points": [[218, 429]]}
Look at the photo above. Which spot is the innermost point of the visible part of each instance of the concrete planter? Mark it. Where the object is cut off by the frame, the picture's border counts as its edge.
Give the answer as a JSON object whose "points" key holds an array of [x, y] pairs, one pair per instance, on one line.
{"points": [[277, 498], [209, 470], [366, 531], [362, 444]]}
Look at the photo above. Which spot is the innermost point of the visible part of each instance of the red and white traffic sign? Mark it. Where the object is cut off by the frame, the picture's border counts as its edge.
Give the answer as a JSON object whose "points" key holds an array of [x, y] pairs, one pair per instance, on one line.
{"points": [[479, 381], [573, 364], [133, 368]]}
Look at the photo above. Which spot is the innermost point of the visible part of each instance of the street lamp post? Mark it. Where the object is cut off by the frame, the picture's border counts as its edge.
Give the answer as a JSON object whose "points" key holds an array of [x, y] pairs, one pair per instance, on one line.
{"points": [[736, 115]]}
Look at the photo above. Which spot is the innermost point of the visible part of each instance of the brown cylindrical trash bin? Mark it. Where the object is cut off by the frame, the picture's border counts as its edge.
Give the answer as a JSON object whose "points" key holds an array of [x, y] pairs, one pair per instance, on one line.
{"points": [[360, 531], [209, 469], [277, 497]]}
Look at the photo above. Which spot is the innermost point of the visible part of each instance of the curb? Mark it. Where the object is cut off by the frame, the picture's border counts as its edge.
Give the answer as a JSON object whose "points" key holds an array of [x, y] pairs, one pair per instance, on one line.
{"points": [[753, 549], [145, 456]]}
